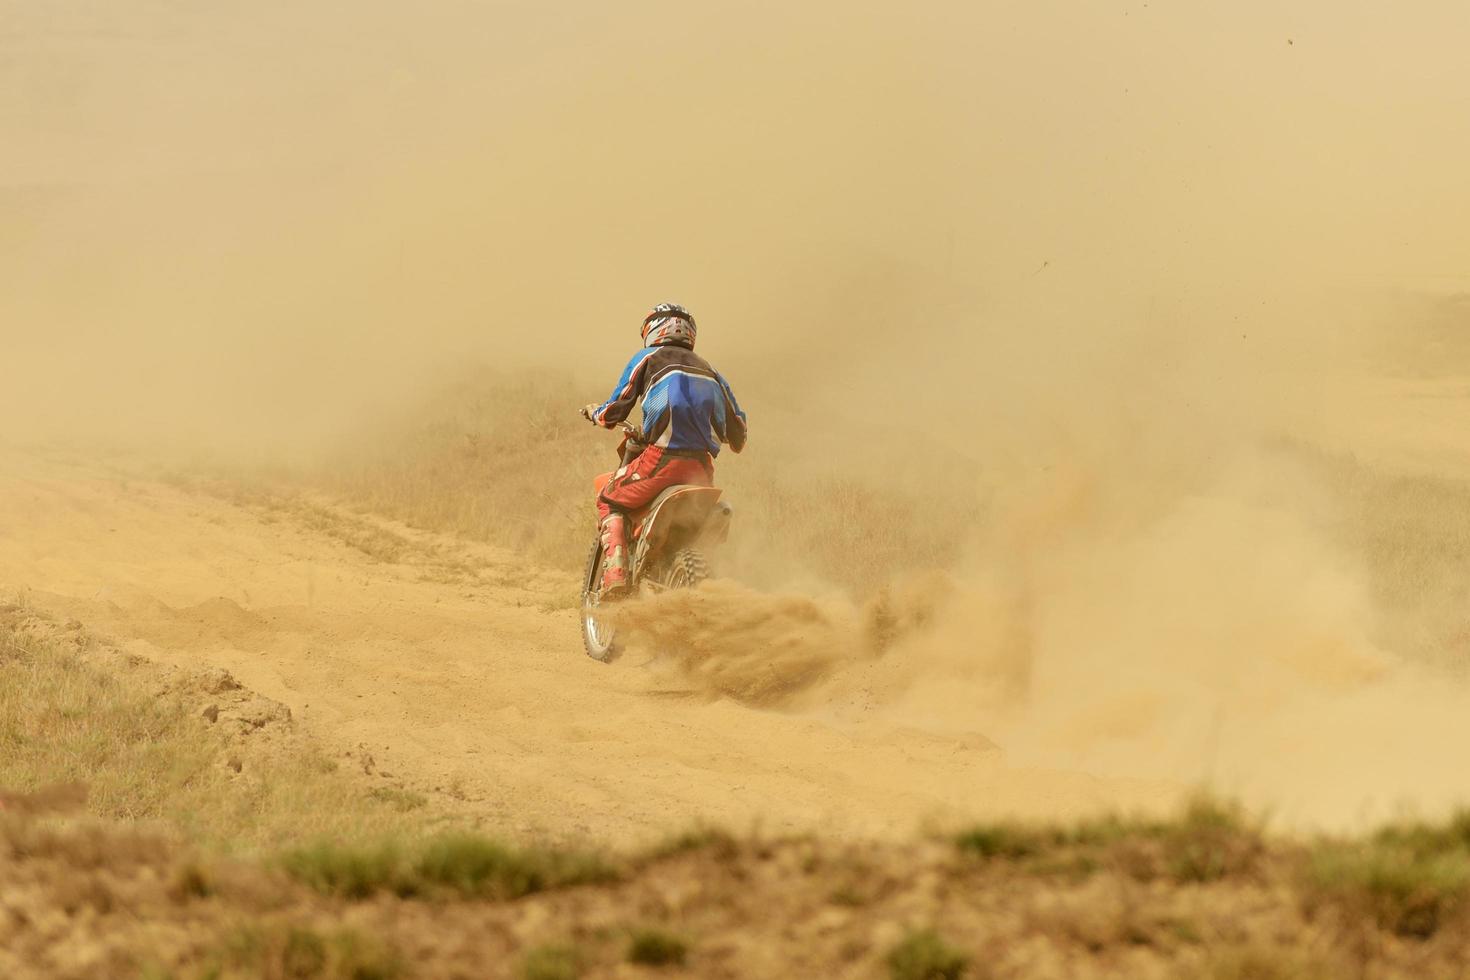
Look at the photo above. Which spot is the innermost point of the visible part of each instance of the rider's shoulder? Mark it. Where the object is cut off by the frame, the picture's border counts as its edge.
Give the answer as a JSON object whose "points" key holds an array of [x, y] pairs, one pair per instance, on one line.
{"points": [[679, 354]]}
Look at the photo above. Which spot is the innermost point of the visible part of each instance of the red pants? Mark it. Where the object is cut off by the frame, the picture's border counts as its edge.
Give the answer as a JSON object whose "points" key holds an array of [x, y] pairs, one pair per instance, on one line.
{"points": [[634, 486]]}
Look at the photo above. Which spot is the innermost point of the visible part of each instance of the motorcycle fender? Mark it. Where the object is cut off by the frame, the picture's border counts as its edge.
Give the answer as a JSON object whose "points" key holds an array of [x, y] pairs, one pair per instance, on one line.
{"points": [[717, 526], [656, 525]]}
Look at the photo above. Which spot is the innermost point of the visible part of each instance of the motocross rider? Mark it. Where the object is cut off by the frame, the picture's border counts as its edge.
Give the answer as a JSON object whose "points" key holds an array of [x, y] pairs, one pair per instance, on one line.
{"points": [[688, 411]]}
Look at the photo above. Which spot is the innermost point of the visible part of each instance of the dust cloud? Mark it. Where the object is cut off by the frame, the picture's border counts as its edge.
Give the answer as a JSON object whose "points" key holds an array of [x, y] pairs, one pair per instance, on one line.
{"points": [[1118, 278], [752, 646]]}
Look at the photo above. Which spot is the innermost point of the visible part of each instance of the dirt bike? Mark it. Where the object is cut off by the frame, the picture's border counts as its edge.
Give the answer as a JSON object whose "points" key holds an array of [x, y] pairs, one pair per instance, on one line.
{"points": [[668, 542]]}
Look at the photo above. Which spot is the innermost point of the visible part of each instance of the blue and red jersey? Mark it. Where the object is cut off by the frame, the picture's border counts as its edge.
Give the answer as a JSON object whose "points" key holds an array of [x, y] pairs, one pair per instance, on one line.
{"points": [[688, 408]]}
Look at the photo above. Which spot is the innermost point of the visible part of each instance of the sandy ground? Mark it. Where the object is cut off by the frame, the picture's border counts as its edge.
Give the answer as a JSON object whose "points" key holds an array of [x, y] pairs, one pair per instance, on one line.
{"points": [[458, 673]]}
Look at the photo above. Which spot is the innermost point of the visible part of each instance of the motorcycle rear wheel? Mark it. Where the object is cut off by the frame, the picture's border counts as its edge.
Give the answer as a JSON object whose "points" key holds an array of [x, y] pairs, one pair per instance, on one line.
{"points": [[687, 569]]}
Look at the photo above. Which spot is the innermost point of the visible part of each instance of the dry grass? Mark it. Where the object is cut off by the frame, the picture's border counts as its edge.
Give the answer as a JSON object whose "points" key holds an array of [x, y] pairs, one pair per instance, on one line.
{"points": [[923, 955], [1271, 961], [1201, 895], [492, 459], [1208, 841], [1408, 879], [459, 863], [507, 460], [655, 946], [73, 711], [303, 952], [63, 719], [553, 961]]}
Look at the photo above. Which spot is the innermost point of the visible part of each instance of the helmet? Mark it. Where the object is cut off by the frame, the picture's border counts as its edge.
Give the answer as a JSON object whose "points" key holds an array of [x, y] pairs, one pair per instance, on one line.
{"points": [[669, 323]]}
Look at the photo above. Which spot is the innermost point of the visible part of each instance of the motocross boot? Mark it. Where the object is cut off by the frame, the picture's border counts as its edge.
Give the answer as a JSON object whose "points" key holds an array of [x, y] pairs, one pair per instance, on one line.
{"points": [[614, 557]]}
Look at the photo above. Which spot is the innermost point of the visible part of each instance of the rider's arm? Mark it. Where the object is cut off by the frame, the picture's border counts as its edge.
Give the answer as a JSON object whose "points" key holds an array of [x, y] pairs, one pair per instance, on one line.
{"points": [[625, 394], [736, 426]]}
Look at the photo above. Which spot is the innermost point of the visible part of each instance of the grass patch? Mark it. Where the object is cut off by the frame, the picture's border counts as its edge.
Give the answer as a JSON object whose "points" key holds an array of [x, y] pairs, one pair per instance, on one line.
{"points": [[720, 842], [350, 871], [1408, 878], [1010, 840], [651, 946], [1207, 841], [1429, 838], [1262, 961], [475, 865], [300, 952], [554, 961], [1210, 841], [924, 955], [462, 864], [401, 800], [1407, 892]]}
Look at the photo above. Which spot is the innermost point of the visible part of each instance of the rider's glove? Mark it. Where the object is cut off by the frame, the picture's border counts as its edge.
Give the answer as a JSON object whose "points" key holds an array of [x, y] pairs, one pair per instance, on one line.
{"points": [[589, 412]]}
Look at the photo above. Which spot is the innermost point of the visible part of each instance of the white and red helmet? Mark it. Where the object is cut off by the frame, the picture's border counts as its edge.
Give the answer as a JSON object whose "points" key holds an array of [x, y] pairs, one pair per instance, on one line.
{"points": [[668, 323]]}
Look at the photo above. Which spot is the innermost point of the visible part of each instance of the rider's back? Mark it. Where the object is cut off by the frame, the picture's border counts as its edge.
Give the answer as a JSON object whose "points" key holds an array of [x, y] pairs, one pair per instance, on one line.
{"points": [[687, 406]]}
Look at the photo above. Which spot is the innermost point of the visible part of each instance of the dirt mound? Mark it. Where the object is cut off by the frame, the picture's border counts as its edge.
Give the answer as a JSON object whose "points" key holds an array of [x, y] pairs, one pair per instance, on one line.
{"points": [[217, 621], [211, 693]]}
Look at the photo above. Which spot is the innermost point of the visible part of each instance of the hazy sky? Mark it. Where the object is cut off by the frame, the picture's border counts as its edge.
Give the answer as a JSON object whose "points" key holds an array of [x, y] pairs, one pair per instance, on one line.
{"points": [[289, 208]]}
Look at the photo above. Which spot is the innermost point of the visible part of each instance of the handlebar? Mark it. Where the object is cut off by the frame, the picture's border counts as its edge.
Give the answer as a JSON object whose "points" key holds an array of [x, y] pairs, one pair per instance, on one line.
{"points": [[630, 432], [632, 444]]}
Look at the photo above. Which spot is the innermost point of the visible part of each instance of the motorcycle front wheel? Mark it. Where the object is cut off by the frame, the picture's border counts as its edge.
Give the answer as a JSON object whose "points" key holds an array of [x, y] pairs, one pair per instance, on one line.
{"points": [[599, 638]]}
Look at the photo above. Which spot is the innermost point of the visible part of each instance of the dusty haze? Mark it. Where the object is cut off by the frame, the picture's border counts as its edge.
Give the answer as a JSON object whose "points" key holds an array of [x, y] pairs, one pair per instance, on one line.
{"points": [[277, 214], [1143, 275]]}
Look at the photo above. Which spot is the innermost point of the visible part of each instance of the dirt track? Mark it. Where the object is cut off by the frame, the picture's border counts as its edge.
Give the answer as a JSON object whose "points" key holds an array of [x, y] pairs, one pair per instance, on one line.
{"points": [[460, 675]]}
